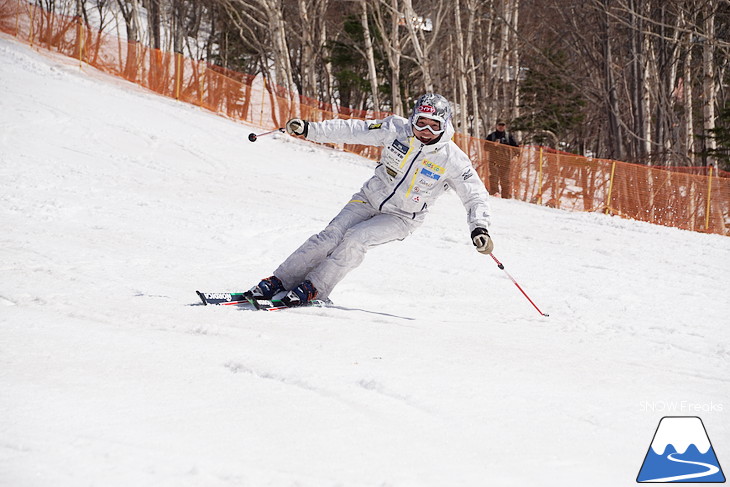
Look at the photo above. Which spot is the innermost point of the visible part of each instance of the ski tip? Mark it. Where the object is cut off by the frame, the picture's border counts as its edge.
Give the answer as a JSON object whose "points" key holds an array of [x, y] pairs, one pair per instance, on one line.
{"points": [[202, 298]]}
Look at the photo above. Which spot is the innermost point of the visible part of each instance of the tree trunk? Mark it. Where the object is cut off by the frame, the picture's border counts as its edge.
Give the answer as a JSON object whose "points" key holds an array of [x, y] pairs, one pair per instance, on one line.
{"points": [[473, 7], [130, 13], [153, 23], [370, 55], [284, 76], [514, 57], [278, 48], [708, 80], [421, 54], [615, 141], [309, 82], [461, 70], [392, 47], [178, 23], [687, 97], [646, 92], [489, 100], [501, 75], [638, 75]]}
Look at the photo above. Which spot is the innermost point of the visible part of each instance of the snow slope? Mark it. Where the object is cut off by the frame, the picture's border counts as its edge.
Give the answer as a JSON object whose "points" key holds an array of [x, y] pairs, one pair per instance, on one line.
{"points": [[116, 205]]}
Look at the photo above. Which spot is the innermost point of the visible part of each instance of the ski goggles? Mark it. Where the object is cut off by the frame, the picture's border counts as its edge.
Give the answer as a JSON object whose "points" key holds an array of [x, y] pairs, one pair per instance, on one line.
{"points": [[428, 127]]}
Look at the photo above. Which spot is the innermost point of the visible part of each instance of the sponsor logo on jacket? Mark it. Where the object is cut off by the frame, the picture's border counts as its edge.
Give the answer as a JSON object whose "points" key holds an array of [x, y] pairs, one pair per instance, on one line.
{"points": [[400, 146], [429, 174], [426, 183], [433, 167]]}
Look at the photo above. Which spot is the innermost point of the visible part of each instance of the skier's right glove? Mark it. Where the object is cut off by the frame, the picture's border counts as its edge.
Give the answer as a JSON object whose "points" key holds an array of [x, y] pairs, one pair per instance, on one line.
{"points": [[297, 126], [482, 241]]}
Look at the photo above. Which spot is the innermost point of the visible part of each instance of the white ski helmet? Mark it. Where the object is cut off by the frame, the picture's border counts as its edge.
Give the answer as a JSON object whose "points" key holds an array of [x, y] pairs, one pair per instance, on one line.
{"points": [[433, 106]]}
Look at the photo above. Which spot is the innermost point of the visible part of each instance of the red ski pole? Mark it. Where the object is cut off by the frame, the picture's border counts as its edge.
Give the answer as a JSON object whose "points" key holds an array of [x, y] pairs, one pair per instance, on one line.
{"points": [[501, 266], [252, 137]]}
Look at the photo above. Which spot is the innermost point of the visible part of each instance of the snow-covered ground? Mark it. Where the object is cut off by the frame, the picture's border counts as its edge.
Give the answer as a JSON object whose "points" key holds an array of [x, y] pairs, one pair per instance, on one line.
{"points": [[433, 370]]}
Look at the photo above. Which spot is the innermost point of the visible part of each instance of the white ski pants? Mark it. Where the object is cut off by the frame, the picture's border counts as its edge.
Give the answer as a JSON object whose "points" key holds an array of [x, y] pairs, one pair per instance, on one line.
{"points": [[325, 258]]}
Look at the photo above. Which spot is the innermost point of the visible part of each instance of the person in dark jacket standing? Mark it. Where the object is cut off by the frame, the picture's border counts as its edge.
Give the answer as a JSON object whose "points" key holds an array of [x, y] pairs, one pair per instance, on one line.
{"points": [[500, 161]]}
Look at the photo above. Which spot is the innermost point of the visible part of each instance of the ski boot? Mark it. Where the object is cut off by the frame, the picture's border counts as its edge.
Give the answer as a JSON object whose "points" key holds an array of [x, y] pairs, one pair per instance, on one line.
{"points": [[300, 295], [266, 289]]}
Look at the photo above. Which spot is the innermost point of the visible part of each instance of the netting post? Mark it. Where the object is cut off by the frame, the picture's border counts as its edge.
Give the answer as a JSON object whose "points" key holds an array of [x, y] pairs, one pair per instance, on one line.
{"points": [[17, 19], [263, 96], [32, 22], [539, 186], [610, 188], [709, 194], [178, 74], [81, 35], [201, 75]]}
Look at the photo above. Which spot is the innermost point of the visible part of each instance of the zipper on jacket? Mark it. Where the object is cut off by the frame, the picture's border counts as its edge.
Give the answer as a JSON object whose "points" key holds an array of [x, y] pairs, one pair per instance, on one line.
{"points": [[405, 175]]}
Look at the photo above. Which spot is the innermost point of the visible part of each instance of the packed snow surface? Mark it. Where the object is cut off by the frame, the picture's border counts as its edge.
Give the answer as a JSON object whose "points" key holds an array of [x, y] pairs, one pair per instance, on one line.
{"points": [[431, 370]]}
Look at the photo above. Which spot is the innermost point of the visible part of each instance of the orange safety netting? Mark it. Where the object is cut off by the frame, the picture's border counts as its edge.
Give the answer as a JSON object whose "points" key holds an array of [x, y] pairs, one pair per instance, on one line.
{"points": [[673, 198]]}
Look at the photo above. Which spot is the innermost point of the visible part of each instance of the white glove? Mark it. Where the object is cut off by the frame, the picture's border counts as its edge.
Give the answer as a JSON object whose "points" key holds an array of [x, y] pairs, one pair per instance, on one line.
{"points": [[297, 126], [482, 241]]}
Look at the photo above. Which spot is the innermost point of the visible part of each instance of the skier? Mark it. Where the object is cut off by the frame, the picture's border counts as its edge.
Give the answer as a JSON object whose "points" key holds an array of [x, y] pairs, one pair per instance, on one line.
{"points": [[418, 163]]}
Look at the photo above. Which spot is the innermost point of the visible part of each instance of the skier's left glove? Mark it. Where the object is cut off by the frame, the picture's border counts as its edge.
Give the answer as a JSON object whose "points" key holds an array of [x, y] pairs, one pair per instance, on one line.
{"points": [[297, 126], [482, 241]]}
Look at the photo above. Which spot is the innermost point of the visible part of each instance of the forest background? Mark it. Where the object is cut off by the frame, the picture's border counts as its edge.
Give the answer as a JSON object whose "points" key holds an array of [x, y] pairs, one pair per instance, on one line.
{"points": [[629, 80]]}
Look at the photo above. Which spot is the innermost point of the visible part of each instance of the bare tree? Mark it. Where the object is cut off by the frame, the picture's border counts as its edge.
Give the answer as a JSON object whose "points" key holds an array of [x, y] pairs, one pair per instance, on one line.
{"points": [[310, 14], [370, 56], [638, 81], [421, 48], [611, 94], [130, 11], [387, 17], [279, 31], [687, 92], [489, 79], [473, 10], [708, 80], [461, 71]]}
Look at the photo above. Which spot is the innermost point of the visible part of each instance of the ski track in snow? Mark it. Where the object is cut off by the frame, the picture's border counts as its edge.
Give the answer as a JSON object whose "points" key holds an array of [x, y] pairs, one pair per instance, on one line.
{"points": [[430, 370]]}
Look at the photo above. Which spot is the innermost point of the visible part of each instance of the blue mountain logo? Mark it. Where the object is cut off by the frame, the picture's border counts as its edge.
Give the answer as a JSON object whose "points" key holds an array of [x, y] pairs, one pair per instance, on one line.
{"points": [[681, 452]]}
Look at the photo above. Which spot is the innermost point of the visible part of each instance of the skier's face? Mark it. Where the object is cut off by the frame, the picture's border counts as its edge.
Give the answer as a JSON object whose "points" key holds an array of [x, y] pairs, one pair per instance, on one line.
{"points": [[426, 129]]}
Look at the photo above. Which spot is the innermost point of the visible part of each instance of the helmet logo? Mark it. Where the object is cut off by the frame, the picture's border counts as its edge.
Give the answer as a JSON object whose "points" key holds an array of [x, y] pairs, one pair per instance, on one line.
{"points": [[426, 109]]}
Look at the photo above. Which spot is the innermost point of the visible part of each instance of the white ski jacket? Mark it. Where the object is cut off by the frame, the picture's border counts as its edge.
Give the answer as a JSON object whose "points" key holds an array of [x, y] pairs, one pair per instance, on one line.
{"points": [[410, 175]]}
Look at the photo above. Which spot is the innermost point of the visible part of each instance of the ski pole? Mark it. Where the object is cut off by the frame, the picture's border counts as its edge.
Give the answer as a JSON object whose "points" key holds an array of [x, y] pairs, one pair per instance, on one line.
{"points": [[252, 137], [501, 266]]}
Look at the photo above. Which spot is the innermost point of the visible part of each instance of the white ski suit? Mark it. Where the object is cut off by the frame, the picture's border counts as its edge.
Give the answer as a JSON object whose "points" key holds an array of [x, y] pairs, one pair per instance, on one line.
{"points": [[409, 177]]}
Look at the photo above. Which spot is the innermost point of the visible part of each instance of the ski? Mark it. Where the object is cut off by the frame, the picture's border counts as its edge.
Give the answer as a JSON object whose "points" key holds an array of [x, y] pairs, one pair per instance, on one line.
{"points": [[240, 299], [222, 299], [278, 304]]}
